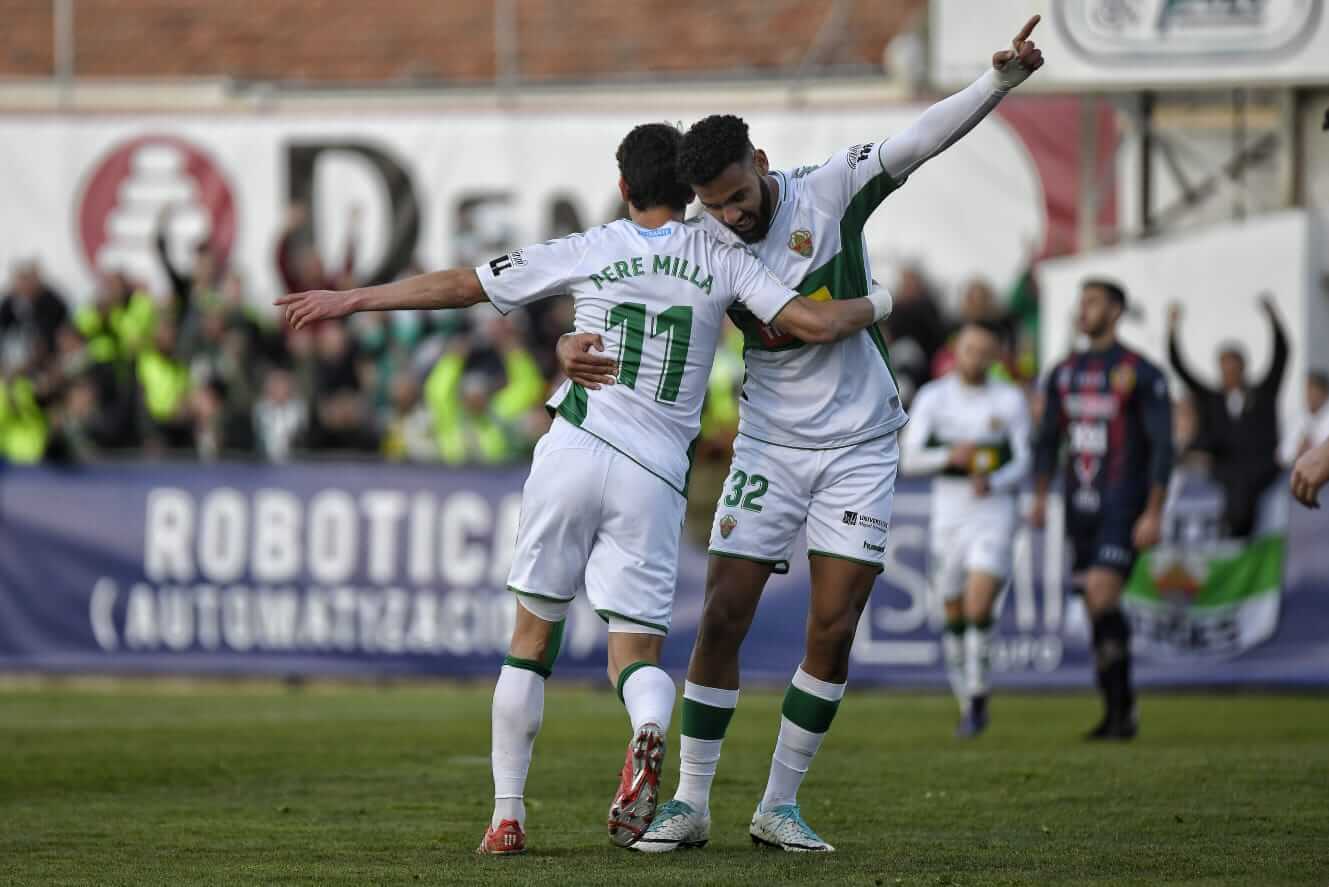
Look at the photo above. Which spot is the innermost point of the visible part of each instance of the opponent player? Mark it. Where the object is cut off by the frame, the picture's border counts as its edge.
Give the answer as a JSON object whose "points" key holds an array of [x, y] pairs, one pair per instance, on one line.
{"points": [[973, 432], [603, 506], [817, 440], [1110, 407]]}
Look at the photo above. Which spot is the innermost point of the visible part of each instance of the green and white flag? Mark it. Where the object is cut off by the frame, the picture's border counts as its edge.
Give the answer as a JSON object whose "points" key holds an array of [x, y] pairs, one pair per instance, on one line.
{"points": [[1195, 598]]}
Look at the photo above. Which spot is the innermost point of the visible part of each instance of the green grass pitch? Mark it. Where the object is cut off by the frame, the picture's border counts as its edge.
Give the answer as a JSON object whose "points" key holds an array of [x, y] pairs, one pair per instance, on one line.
{"points": [[141, 784]]}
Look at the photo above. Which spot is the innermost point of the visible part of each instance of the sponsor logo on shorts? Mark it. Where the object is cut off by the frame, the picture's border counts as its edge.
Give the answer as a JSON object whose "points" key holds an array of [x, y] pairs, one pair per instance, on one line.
{"points": [[727, 524], [1114, 554], [856, 519], [879, 549], [801, 242]]}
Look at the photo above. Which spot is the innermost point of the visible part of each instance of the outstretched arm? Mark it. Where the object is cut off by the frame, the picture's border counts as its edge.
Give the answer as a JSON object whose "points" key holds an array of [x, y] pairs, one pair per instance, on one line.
{"points": [[453, 288], [949, 120], [1273, 380], [1174, 357]]}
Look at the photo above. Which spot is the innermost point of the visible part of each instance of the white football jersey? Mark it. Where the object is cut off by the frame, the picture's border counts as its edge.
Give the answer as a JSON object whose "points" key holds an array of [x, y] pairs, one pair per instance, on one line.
{"points": [[819, 396], [994, 416], [658, 297]]}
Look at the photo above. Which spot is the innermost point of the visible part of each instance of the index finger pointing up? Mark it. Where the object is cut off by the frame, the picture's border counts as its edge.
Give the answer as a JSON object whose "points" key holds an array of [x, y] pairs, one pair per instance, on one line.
{"points": [[1025, 32]]}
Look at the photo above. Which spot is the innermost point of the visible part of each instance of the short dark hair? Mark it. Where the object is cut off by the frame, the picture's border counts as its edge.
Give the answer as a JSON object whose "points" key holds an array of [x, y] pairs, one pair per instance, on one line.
{"points": [[1114, 290], [710, 146], [648, 162], [1319, 377], [991, 327]]}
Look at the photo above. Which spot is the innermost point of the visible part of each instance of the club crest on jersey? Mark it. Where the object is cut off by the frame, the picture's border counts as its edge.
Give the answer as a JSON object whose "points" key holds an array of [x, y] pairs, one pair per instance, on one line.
{"points": [[727, 524], [1123, 379], [801, 242]]}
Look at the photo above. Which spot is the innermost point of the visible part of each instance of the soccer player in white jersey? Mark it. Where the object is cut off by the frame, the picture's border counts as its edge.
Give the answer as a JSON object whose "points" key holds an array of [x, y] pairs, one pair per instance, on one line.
{"points": [[603, 506], [817, 440], [974, 434]]}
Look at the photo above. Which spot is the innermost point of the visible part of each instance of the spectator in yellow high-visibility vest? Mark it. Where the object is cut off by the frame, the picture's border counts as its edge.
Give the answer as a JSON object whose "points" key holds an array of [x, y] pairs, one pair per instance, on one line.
{"points": [[23, 427], [475, 421], [120, 320], [164, 384]]}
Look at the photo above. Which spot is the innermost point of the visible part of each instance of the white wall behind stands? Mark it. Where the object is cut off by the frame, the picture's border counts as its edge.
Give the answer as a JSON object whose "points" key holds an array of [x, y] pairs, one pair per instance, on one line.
{"points": [[79, 192], [1217, 276], [1139, 44]]}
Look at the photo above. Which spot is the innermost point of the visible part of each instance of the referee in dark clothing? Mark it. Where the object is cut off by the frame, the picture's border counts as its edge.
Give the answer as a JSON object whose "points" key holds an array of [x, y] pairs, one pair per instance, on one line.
{"points": [[1238, 421]]}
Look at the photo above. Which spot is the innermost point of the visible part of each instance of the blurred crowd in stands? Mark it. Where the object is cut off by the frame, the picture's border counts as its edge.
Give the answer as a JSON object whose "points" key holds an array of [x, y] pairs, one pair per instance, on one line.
{"points": [[198, 372]]}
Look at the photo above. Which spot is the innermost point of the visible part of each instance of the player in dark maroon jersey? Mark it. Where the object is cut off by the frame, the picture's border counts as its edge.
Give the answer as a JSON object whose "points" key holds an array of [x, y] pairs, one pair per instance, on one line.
{"points": [[1110, 408]]}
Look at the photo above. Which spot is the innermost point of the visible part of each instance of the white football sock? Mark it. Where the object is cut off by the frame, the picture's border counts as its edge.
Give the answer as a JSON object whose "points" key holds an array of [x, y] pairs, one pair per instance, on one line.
{"points": [[976, 642], [706, 714], [519, 702], [648, 694], [809, 706], [952, 652]]}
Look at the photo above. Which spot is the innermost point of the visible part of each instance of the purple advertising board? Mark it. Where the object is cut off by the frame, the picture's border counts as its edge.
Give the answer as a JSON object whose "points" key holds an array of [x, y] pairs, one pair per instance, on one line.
{"points": [[377, 570]]}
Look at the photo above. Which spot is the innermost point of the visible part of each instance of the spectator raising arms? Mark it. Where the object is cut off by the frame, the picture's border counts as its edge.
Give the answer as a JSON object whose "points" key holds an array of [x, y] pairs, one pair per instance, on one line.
{"points": [[1238, 422]]}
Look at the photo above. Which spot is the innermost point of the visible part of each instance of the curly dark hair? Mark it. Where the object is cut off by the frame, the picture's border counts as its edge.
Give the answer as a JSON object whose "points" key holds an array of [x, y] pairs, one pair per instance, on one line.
{"points": [[710, 146], [648, 160]]}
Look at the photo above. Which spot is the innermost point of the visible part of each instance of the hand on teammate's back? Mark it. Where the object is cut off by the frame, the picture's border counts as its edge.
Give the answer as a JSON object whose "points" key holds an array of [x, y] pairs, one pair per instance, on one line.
{"points": [[981, 484], [580, 365]]}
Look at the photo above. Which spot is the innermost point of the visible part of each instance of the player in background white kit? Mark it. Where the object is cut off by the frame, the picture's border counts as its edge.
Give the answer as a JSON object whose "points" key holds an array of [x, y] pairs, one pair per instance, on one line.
{"points": [[603, 506], [974, 434], [816, 447]]}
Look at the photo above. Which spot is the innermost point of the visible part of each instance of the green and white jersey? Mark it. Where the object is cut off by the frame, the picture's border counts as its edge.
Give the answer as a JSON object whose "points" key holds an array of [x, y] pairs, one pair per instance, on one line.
{"points": [[658, 298], [819, 396]]}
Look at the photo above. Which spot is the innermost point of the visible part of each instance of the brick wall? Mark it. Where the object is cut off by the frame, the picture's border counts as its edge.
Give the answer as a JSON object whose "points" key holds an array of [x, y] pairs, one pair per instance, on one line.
{"points": [[447, 40]]}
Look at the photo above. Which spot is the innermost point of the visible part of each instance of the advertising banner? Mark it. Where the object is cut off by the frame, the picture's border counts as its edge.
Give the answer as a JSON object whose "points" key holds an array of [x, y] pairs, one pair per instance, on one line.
{"points": [[372, 570], [1141, 44], [454, 187]]}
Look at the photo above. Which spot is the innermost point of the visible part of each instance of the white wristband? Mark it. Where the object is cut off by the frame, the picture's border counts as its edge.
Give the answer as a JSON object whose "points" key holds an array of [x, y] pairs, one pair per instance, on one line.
{"points": [[882, 303]]}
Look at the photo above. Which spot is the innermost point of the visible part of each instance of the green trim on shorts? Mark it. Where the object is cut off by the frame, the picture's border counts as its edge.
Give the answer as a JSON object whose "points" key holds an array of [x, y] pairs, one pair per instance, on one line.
{"points": [[702, 721], [777, 567], [844, 557], [629, 672], [528, 665], [544, 597], [605, 614], [812, 713]]}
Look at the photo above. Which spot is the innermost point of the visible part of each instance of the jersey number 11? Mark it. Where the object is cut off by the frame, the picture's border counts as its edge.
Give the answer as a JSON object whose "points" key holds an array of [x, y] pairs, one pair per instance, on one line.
{"points": [[675, 324]]}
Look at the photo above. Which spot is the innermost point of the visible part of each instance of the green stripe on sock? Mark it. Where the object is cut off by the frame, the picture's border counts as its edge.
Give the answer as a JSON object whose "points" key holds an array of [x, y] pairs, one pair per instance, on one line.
{"points": [[807, 711], [702, 721], [627, 673], [956, 626], [528, 664], [983, 624]]}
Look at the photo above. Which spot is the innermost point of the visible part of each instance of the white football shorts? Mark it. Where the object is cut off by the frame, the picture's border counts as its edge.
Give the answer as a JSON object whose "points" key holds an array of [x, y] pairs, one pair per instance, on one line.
{"points": [[593, 518], [843, 496], [983, 541]]}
